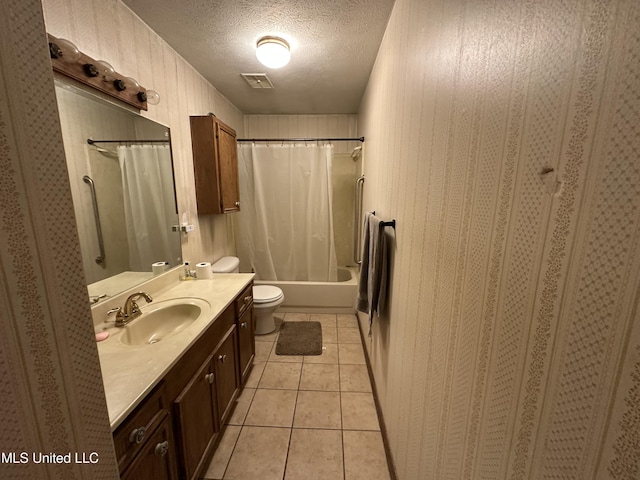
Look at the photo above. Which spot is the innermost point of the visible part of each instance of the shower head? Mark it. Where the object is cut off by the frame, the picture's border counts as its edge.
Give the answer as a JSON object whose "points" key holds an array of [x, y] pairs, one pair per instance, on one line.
{"points": [[355, 155]]}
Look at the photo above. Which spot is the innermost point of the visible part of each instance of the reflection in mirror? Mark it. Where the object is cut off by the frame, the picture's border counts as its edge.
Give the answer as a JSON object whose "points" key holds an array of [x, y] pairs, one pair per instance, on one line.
{"points": [[123, 191]]}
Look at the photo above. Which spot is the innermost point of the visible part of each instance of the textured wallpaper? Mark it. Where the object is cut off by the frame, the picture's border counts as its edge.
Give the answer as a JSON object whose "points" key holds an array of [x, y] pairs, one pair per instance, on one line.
{"points": [[504, 139], [51, 387]]}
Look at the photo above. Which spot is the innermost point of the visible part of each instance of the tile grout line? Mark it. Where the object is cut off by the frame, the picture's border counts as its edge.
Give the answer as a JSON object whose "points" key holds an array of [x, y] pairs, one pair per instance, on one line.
{"points": [[242, 426], [293, 417], [344, 467], [340, 391]]}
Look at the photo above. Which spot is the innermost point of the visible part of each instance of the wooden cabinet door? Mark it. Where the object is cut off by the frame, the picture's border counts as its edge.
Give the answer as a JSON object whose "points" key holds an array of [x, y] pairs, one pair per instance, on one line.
{"points": [[157, 459], [246, 343], [196, 417], [205, 164], [226, 370], [215, 165], [228, 168]]}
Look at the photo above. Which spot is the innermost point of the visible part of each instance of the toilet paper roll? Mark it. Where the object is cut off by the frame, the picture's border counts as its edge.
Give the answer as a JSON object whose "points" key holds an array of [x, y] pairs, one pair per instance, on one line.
{"points": [[159, 267], [203, 270]]}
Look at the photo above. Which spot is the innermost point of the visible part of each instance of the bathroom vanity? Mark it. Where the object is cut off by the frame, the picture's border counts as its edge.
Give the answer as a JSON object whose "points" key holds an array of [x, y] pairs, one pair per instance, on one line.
{"points": [[169, 398]]}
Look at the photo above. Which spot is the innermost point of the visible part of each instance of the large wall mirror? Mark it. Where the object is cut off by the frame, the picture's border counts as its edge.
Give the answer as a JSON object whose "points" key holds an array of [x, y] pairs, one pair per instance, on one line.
{"points": [[123, 191]]}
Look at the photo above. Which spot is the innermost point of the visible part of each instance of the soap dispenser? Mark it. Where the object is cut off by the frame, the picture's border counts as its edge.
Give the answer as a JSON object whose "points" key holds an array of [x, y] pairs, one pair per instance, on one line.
{"points": [[186, 275]]}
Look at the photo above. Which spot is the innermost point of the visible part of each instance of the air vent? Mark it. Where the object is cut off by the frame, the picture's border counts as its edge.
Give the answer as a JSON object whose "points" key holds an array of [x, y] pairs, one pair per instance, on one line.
{"points": [[257, 80]]}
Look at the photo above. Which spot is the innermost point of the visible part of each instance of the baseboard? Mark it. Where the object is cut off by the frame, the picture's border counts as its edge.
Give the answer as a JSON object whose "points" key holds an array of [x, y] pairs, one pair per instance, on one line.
{"points": [[383, 427]]}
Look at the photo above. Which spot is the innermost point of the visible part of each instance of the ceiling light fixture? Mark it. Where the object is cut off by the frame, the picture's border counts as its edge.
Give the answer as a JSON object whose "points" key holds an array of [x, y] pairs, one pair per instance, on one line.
{"points": [[273, 52]]}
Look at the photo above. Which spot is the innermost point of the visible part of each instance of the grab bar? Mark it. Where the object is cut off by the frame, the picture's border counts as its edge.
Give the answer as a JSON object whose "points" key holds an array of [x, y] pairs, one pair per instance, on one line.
{"points": [[357, 221], [89, 181]]}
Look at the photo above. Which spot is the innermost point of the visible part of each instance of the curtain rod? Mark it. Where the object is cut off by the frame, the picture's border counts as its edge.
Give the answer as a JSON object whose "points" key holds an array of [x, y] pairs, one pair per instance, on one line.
{"points": [[360, 139], [91, 142]]}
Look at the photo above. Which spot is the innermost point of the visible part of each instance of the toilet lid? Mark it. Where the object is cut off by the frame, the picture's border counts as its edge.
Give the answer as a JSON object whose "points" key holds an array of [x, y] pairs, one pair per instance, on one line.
{"points": [[225, 265], [266, 293]]}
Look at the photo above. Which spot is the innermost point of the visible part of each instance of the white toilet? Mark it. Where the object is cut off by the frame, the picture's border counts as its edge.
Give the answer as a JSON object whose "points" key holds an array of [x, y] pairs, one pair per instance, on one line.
{"points": [[266, 298]]}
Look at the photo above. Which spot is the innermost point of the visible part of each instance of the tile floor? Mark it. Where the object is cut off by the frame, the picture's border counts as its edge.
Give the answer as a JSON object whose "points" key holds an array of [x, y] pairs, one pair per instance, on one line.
{"points": [[305, 417]]}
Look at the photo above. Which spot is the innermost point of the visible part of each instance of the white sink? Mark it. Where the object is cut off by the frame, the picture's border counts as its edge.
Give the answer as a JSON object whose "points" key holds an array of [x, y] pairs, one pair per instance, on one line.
{"points": [[163, 319]]}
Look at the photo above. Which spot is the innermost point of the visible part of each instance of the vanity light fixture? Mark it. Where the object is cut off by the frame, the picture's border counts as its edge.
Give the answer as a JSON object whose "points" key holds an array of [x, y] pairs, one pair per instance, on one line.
{"points": [[273, 52], [67, 60]]}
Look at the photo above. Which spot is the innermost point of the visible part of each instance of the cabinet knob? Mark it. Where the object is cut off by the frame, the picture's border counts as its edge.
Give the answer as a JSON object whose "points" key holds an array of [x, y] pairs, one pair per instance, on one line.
{"points": [[209, 377], [162, 448], [243, 325], [238, 204], [137, 435], [222, 358]]}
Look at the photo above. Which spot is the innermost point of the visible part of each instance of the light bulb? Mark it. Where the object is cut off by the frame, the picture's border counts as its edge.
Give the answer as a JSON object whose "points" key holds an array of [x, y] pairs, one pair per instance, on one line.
{"points": [[128, 83], [153, 97], [273, 52], [68, 51], [131, 83], [105, 69]]}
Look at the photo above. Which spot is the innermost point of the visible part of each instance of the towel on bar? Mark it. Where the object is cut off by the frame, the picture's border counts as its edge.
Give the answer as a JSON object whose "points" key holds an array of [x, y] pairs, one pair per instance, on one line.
{"points": [[374, 268]]}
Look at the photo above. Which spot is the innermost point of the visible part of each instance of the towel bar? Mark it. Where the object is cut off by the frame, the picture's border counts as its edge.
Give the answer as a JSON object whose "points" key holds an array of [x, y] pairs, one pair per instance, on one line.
{"points": [[391, 223]]}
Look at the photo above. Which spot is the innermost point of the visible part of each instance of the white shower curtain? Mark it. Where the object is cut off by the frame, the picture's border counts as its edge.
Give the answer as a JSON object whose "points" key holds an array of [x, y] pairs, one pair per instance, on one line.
{"points": [[285, 226], [149, 210]]}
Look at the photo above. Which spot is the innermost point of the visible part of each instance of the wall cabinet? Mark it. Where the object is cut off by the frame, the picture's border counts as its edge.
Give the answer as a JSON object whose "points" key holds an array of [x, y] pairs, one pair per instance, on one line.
{"points": [[173, 432], [215, 165]]}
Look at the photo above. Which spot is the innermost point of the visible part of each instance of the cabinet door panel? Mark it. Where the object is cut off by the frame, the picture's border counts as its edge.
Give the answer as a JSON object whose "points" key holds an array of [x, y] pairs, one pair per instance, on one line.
{"points": [[194, 409], [226, 370], [246, 343], [228, 158], [156, 460], [205, 165]]}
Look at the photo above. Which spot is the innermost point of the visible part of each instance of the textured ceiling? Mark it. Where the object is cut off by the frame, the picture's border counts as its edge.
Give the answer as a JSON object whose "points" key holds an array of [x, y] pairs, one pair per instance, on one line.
{"points": [[333, 46]]}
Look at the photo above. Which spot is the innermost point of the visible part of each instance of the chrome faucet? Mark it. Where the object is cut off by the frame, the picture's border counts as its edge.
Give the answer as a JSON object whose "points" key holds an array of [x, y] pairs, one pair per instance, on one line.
{"points": [[130, 310]]}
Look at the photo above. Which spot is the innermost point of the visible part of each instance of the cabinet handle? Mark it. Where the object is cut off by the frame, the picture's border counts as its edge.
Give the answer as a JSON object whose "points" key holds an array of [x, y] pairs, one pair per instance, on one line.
{"points": [[222, 358], [243, 325], [209, 377], [162, 448], [137, 435], [238, 204], [248, 299]]}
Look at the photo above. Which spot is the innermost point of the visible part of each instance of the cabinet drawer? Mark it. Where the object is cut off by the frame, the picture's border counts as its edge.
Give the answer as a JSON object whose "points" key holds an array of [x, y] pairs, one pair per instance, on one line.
{"points": [[244, 300], [156, 460], [132, 435]]}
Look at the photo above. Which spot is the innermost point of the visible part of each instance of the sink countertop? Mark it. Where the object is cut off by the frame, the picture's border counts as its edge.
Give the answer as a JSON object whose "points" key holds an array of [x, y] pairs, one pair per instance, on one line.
{"points": [[129, 373]]}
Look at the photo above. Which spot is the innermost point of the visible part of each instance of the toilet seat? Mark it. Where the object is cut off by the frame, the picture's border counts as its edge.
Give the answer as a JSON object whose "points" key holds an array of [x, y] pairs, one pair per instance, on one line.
{"points": [[266, 294]]}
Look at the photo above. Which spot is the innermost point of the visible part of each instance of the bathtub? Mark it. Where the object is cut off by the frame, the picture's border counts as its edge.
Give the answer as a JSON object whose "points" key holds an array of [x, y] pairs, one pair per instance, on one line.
{"points": [[319, 297]]}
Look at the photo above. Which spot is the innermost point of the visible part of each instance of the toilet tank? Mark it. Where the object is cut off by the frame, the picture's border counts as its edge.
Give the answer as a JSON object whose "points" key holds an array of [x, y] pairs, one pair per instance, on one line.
{"points": [[226, 265]]}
